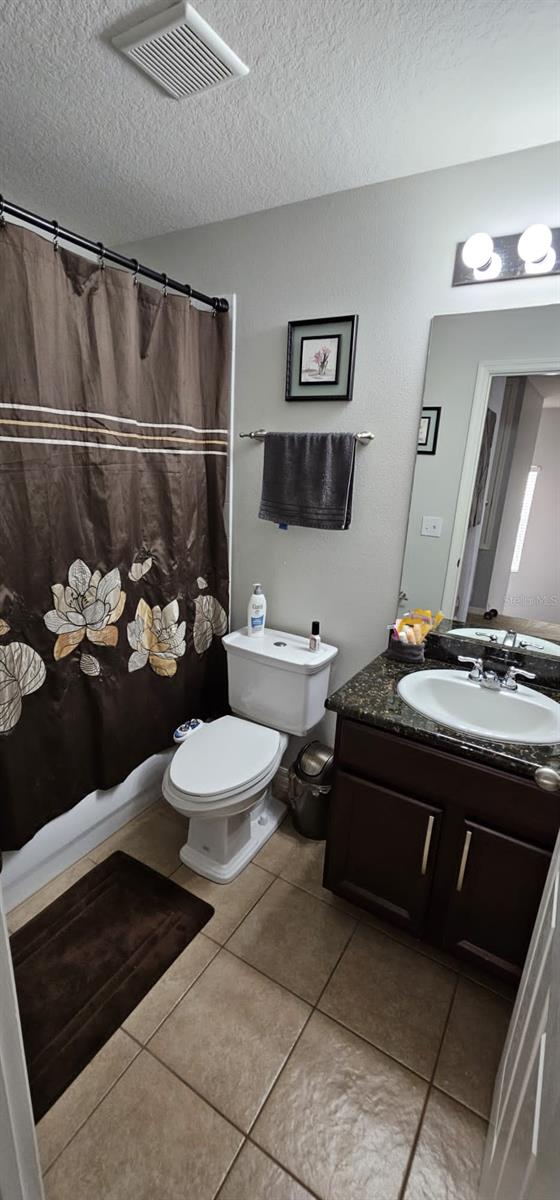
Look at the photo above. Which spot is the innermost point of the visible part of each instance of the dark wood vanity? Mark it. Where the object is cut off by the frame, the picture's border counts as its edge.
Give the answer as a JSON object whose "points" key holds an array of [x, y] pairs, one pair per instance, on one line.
{"points": [[443, 845]]}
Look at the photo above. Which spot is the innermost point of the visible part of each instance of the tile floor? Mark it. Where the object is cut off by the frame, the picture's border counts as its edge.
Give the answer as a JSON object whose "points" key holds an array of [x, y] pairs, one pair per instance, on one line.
{"points": [[297, 1049]]}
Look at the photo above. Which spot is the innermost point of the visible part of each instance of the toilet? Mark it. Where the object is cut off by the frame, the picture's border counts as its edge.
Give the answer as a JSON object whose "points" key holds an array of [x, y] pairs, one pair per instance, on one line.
{"points": [[220, 777]]}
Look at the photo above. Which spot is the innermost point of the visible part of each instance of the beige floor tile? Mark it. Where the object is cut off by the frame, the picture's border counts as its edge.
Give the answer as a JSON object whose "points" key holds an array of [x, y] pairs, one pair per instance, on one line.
{"points": [[168, 990], [342, 1116], [231, 901], [415, 943], [38, 901], [254, 1176], [293, 938], [504, 987], [155, 837], [472, 1046], [448, 1157], [394, 997], [151, 1138], [300, 861], [230, 1037], [62, 1121]]}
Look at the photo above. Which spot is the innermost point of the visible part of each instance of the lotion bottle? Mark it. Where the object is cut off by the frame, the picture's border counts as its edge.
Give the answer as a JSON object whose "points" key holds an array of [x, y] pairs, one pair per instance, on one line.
{"points": [[256, 612]]}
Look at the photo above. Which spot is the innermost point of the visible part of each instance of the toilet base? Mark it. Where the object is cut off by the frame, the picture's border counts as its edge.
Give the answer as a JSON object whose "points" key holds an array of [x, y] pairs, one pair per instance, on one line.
{"points": [[220, 847]]}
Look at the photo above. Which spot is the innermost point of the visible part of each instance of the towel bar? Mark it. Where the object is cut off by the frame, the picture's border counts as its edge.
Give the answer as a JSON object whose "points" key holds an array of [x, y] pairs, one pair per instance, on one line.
{"points": [[259, 434]]}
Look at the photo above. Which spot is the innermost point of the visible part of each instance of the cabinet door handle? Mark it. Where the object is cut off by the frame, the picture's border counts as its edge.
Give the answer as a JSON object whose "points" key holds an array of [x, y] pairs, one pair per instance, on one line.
{"points": [[427, 843], [464, 857]]}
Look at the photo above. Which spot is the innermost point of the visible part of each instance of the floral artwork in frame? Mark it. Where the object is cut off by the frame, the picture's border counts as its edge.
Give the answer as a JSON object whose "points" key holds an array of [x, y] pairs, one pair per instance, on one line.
{"points": [[320, 362]]}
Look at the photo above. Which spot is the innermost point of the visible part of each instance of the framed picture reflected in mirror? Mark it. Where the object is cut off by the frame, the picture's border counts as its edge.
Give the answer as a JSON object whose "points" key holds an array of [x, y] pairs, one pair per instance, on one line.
{"points": [[428, 430]]}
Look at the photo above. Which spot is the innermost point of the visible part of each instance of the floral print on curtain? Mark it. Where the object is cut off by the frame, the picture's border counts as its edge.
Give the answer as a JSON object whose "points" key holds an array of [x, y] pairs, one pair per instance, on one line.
{"points": [[22, 671], [156, 638], [89, 606]]}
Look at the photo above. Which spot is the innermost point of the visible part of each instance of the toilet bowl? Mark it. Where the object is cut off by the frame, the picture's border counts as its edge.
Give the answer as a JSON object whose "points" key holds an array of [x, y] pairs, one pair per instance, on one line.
{"points": [[220, 777]]}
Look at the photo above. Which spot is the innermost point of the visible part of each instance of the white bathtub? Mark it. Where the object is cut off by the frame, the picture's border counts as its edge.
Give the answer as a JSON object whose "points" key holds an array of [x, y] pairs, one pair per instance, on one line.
{"points": [[67, 838]]}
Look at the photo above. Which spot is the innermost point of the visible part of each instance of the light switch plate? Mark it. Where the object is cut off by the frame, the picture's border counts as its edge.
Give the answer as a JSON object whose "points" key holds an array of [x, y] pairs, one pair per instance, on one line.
{"points": [[431, 526]]}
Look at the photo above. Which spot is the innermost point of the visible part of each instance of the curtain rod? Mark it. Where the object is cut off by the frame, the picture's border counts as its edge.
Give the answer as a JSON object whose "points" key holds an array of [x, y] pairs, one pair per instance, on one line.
{"points": [[219, 304]]}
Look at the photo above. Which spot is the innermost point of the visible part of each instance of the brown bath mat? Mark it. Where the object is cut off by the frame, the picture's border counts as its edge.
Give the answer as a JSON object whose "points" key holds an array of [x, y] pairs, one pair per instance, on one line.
{"points": [[85, 962]]}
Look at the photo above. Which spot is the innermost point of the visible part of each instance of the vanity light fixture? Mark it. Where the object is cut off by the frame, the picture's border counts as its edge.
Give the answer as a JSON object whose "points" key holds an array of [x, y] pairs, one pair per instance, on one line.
{"points": [[482, 258], [536, 249], [477, 251]]}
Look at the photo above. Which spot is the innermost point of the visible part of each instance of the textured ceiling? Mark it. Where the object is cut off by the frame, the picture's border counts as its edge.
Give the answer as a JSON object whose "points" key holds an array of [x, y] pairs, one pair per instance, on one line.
{"points": [[341, 93]]}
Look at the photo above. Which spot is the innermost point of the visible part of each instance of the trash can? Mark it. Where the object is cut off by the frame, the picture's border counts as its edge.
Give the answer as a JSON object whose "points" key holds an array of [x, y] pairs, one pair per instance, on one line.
{"points": [[309, 787]]}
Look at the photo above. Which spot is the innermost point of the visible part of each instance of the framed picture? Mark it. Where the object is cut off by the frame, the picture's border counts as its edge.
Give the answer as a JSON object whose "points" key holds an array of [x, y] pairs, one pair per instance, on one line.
{"points": [[320, 363], [428, 431]]}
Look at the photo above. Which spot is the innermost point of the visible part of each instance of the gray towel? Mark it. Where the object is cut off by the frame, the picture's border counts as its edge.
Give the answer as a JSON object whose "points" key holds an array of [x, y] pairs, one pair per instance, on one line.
{"points": [[308, 479]]}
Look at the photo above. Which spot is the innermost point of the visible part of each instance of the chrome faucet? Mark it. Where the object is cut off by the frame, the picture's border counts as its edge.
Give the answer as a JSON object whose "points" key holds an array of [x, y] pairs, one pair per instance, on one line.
{"points": [[511, 676], [489, 679], [510, 640]]}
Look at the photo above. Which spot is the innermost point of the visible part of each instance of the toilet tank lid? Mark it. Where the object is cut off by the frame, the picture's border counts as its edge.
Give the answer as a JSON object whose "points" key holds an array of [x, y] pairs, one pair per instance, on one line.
{"points": [[287, 651]]}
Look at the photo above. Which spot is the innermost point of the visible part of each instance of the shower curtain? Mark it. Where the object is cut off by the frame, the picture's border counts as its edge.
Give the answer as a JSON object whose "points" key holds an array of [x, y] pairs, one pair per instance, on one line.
{"points": [[113, 554]]}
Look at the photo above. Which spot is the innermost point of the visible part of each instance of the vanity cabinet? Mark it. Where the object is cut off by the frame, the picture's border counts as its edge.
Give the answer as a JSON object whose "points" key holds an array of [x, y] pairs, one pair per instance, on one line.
{"points": [[383, 849], [453, 851], [494, 902]]}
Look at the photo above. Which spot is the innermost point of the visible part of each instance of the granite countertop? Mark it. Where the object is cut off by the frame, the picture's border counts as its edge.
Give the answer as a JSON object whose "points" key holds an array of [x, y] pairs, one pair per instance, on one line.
{"points": [[371, 697]]}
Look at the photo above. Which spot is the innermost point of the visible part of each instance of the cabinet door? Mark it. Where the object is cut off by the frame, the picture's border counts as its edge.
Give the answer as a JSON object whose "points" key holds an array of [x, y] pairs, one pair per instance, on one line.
{"points": [[381, 849], [497, 891]]}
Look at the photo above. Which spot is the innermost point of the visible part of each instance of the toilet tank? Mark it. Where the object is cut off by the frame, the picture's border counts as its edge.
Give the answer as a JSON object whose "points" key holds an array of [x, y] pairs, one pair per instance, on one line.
{"points": [[277, 680]]}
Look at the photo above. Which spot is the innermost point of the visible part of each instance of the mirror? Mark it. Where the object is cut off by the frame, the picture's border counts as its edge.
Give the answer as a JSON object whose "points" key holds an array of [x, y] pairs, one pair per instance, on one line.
{"points": [[483, 538]]}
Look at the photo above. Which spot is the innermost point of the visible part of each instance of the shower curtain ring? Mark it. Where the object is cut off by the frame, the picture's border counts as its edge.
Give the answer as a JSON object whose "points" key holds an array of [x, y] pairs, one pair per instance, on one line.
{"points": [[135, 276], [101, 260], [164, 277], [55, 235]]}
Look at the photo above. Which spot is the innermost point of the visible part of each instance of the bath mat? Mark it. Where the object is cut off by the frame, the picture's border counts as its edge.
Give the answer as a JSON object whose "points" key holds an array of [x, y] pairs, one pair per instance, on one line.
{"points": [[85, 962]]}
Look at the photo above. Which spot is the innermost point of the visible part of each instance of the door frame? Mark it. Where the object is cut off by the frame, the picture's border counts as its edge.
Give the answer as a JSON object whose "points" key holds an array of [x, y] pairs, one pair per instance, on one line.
{"points": [[20, 1172], [484, 376]]}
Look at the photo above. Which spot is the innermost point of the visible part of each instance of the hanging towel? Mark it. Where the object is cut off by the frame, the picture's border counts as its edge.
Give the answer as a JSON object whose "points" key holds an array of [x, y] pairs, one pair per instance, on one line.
{"points": [[308, 479]]}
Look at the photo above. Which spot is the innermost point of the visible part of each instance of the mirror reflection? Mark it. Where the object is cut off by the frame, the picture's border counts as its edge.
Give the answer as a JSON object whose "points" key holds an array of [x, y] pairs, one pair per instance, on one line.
{"points": [[502, 587]]}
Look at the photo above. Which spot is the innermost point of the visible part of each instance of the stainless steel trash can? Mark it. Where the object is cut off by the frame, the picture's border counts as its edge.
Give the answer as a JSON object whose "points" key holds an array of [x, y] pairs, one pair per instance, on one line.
{"points": [[310, 784]]}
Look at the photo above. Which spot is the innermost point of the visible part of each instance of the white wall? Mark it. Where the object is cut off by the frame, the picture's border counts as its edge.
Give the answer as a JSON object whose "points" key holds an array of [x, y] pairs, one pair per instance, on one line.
{"points": [[385, 252], [534, 590]]}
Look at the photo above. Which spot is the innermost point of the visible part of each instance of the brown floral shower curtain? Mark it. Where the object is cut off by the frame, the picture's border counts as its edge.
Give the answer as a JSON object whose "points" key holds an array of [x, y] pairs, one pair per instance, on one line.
{"points": [[113, 554]]}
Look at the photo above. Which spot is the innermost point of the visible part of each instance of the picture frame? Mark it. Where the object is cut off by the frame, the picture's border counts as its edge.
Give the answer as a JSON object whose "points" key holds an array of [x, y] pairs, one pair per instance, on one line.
{"points": [[428, 431], [320, 358]]}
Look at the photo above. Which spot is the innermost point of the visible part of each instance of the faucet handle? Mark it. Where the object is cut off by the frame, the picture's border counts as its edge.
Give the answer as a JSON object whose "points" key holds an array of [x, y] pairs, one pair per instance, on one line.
{"points": [[512, 673], [476, 663]]}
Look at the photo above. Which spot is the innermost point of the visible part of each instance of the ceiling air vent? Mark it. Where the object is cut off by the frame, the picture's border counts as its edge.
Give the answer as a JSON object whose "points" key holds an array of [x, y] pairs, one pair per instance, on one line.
{"points": [[180, 51]]}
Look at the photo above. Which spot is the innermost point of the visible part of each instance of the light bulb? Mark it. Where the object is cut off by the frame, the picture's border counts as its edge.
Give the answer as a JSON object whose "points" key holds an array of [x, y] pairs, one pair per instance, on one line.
{"points": [[543, 266], [490, 271], [534, 244], [477, 250]]}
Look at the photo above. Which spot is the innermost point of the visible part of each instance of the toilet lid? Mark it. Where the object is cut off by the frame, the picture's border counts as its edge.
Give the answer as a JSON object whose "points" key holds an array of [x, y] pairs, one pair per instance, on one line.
{"points": [[224, 756]]}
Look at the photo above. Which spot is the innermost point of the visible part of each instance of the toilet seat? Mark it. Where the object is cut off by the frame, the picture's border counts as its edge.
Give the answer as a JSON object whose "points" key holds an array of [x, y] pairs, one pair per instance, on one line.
{"points": [[224, 761]]}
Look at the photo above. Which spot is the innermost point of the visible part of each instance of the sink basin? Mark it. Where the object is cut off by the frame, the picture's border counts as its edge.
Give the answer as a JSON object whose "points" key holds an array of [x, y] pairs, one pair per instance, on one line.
{"points": [[525, 641], [451, 698]]}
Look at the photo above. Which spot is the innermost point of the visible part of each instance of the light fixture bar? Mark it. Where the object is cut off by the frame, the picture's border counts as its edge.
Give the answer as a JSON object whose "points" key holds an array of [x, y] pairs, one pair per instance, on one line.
{"points": [[505, 257]]}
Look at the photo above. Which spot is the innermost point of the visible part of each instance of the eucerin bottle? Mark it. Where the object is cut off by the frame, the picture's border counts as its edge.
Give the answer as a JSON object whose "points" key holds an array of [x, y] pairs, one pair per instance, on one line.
{"points": [[256, 612]]}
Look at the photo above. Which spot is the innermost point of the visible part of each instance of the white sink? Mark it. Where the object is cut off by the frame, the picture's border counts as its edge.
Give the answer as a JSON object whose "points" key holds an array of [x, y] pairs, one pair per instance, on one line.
{"points": [[525, 641], [451, 698]]}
